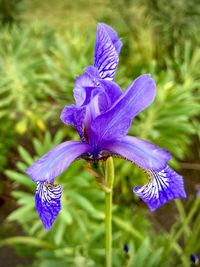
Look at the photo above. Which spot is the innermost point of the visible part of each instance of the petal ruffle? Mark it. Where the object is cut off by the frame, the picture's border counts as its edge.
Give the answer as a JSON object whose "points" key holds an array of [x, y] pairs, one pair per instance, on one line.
{"points": [[74, 115], [90, 81], [116, 121], [107, 51], [47, 202], [163, 186], [145, 154], [52, 164]]}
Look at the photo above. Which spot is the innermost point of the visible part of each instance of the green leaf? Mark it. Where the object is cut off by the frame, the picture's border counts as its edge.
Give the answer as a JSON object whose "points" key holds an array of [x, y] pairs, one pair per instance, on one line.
{"points": [[58, 137], [38, 147], [25, 155], [62, 226], [25, 240], [142, 254], [21, 213], [127, 227], [65, 214], [24, 198], [20, 178], [47, 141], [85, 204]]}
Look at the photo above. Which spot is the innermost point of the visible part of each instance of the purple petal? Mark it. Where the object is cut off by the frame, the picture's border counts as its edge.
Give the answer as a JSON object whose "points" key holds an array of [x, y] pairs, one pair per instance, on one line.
{"points": [[145, 154], [56, 161], [47, 202], [107, 51], [163, 186], [80, 92], [92, 110], [74, 115], [94, 74], [98, 104], [112, 90], [115, 123], [113, 36], [103, 100], [89, 84], [84, 85]]}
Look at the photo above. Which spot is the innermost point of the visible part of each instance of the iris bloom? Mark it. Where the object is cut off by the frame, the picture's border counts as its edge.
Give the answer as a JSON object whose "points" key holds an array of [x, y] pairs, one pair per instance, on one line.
{"points": [[102, 116]]}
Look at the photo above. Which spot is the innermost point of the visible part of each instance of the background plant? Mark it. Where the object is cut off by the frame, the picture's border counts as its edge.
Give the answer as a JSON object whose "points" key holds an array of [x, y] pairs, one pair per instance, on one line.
{"points": [[76, 237]]}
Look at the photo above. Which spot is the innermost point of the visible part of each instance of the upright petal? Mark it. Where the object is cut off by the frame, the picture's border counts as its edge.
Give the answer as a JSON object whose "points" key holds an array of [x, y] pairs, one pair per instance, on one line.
{"points": [[107, 51], [113, 36], [162, 187], [56, 161], [47, 202], [80, 92], [85, 84], [145, 154], [116, 121]]}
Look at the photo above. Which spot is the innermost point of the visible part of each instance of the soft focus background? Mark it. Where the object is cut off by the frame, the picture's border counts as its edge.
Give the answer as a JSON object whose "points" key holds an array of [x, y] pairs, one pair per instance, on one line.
{"points": [[44, 45]]}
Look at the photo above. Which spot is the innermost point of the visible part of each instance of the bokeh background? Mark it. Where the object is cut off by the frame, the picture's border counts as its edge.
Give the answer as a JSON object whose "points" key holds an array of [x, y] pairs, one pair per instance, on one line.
{"points": [[44, 45]]}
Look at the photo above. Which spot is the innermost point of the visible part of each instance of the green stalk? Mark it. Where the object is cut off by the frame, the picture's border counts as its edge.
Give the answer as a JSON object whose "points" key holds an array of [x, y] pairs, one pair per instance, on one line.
{"points": [[109, 179]]}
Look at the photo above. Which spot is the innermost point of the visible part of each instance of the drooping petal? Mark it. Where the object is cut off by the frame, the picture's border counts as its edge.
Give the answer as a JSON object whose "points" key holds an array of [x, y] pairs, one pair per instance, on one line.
{"points": [[163, 186], [115, 122], [74, 115], [47, 202], [145, 154], [107, 49], [56, 161]]}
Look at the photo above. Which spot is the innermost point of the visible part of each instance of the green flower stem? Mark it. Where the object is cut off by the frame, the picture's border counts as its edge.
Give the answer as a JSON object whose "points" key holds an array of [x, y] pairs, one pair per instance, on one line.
{"points": [[109, 179]]}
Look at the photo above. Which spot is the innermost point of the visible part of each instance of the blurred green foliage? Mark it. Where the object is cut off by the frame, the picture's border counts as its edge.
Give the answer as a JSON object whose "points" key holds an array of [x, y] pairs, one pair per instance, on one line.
{"points": [[77, 239], [81, 222], [39, 60], [10, 11], [173, 22]]}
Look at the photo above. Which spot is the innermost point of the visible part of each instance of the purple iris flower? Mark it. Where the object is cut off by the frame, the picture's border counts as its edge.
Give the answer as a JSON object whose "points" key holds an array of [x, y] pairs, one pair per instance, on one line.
{"points": [[102, 115]]}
